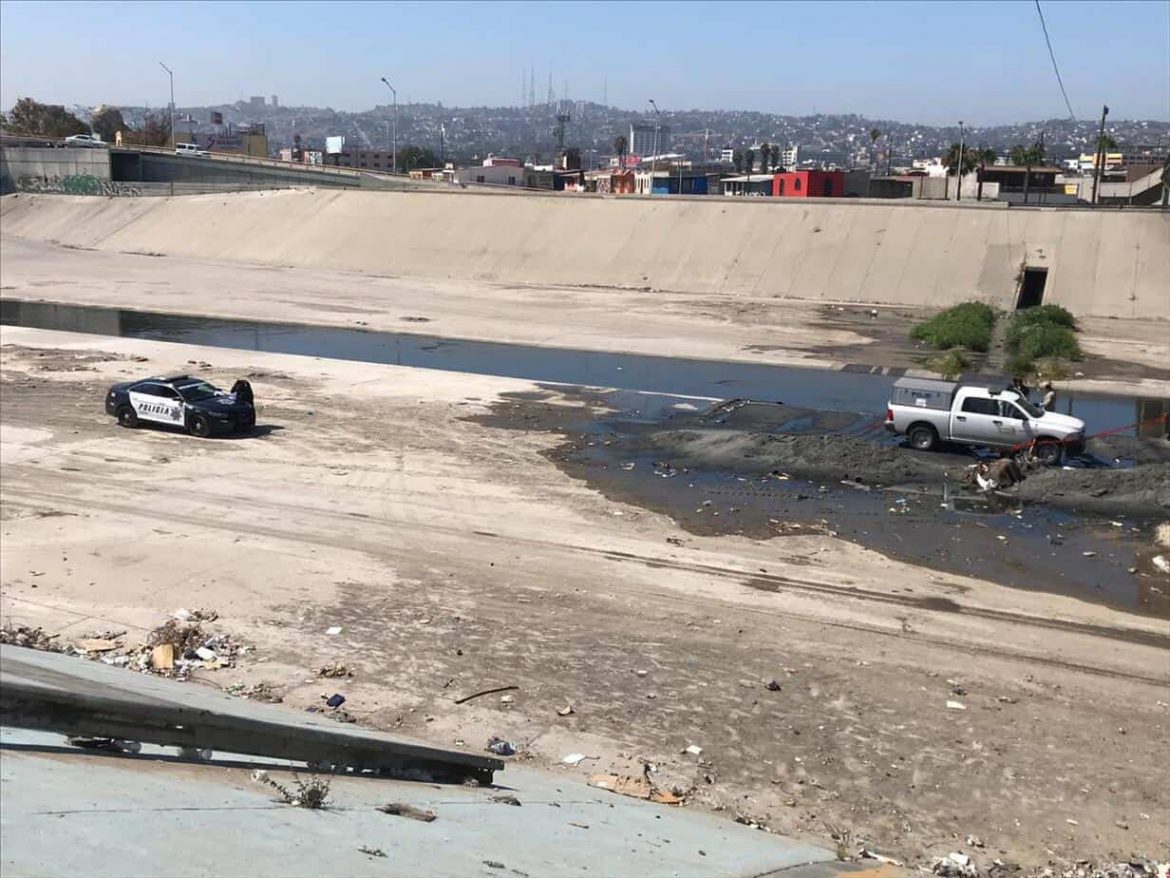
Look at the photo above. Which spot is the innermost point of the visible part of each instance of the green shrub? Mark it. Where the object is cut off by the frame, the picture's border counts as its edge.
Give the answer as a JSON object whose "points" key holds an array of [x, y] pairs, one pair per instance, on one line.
{"points": [[950, 365], [967, 325], [1046, 340]]}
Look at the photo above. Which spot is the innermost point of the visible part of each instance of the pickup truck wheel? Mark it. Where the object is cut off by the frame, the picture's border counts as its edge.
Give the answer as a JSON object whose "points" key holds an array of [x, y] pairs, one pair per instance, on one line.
{"points": [[922, 437], [1049, 452], [127, 417]]}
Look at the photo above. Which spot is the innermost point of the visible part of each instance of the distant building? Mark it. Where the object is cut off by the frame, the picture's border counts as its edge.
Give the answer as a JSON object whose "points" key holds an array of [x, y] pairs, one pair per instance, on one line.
{"points": [[683, 181], [373, 159], [495, 171], [1010, 178], [727, 155], [642, 139], [747, 184], [809, 184], [256, 102], [275, 102]]}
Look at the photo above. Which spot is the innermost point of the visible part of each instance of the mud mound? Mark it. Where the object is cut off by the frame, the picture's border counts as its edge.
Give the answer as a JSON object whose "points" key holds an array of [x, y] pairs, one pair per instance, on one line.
{"points": [[1143, 490], [809, 456]]}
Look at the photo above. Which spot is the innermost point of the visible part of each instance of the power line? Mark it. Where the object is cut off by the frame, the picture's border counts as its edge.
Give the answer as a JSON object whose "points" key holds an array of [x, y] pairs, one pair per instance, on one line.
{"points": [[1055, 68]]}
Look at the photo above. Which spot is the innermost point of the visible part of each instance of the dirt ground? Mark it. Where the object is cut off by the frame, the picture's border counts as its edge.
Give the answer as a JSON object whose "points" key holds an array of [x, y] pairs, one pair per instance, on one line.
{"points": [[455, 556], [1125, 356]]}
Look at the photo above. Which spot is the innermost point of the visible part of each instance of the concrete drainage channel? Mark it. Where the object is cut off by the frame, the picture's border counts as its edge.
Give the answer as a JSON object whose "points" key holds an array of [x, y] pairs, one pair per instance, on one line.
{"points": [[859, 485]]}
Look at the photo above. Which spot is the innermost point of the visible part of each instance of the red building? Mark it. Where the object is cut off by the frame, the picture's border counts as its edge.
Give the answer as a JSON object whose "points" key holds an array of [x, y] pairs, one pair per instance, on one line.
{"points": [[809, 184]]}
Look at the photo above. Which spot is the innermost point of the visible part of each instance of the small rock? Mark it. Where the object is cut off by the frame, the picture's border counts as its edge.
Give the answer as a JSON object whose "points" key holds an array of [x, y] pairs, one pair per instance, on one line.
{"points": [[693, 750], [956, 705]]}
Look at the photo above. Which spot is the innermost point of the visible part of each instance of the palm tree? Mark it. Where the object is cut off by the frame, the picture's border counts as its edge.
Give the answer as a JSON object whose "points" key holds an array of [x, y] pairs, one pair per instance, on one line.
{"points": [[737, 159], [987, 154], [620, 146], [874, 134], [1028, 156], [951, 159], [1106, 143]]}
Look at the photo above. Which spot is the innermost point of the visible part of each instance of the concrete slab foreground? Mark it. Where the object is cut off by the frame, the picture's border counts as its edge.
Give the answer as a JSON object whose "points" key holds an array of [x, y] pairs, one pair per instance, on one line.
{"points": [[69, 812]]}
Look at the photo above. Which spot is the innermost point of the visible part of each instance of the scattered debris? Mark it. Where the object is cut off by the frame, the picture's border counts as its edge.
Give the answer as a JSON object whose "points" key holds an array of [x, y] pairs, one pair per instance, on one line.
{"points": [[501, 747], [576, 758], [312, 793], [401, 809], [956, 705], [506, 800], [565, 711], [197, 615], [1161, 563], [336, 629], [335, 700], [693, 749], [866, 854], [256, 692], [466, 698], [162, 657], [334, 670], [32, 638], [954, 865], [373, 852], [635, 787], [493, 864], [97, 644], [507, 699], [772, 686]]}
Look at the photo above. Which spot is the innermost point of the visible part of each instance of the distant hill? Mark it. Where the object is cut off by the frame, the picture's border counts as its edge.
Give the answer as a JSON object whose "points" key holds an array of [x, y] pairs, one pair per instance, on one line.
{"points": [[472, 132]]}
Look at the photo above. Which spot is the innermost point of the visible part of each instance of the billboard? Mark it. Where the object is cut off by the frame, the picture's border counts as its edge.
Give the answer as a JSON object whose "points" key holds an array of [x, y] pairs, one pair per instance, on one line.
{"points": [[220, 142], [334, 145]]}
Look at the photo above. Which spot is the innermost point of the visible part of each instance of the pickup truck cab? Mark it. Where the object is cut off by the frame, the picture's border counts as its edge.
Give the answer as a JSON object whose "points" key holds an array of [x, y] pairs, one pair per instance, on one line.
{"points": [[927, 412]]}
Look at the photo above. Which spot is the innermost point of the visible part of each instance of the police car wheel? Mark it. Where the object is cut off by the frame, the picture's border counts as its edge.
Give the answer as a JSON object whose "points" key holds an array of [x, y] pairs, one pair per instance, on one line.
{"points": [[127, 416], [199, 426]]}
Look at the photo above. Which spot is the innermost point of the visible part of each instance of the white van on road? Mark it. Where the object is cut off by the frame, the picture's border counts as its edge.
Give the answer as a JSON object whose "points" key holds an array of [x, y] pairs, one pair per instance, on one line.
{"points": [[190, 149]]}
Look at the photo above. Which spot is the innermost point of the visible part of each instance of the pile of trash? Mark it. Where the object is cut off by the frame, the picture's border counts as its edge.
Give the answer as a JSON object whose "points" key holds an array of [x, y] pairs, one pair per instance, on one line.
{"points": [[32, 638], [1135, 867], [174, 649]]}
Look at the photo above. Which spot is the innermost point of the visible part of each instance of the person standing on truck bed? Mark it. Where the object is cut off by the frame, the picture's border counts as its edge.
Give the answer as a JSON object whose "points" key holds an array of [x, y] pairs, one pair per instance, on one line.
{"points": [[1020, 387], [1049, 401]]}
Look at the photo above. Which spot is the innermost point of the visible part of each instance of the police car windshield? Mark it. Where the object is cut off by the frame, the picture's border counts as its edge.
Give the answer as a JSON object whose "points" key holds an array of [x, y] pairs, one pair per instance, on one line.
{"points": [[198, 391]]}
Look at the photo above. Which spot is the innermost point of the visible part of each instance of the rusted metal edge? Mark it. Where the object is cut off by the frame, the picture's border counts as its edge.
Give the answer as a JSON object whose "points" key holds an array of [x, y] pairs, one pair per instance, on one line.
{"points": [[33, 706]]}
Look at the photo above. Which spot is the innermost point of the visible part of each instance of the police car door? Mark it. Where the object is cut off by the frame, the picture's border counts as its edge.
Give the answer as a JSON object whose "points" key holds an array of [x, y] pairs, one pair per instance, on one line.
{"points": [[158, 403]]}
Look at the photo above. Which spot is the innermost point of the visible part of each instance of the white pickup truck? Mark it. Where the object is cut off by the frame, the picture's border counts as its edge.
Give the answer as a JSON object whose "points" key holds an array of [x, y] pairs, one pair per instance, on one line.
{"points": [[927, 412]]}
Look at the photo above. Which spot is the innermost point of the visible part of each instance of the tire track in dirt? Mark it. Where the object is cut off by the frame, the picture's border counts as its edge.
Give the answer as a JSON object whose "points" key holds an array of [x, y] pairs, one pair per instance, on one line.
{"points": [[271, 511]]}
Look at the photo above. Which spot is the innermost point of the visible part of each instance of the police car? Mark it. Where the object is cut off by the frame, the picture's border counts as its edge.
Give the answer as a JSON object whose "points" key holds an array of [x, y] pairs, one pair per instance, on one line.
{"points": [[183, 401]]}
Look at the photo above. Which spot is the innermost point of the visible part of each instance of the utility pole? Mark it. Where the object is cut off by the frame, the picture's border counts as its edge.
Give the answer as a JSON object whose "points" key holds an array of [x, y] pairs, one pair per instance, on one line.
{"points": [[959, 169], [172, 76], [394, 142], [654, 157], [442, 148], [1098, 154]]}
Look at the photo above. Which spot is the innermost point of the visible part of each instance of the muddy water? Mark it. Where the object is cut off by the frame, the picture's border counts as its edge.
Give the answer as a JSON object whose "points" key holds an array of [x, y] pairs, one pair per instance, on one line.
{"points": [[915, 509], [861, 390]]}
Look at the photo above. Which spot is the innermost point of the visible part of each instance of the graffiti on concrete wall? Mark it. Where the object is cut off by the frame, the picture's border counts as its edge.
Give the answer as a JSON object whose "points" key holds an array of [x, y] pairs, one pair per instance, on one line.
{"points": [[77, 184]]}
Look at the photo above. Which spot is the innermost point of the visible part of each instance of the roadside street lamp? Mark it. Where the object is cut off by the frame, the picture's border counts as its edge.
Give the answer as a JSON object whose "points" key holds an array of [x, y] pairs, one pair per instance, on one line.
{"points": [[959, 184], [394, 142], [654, 157], [171, 74]]}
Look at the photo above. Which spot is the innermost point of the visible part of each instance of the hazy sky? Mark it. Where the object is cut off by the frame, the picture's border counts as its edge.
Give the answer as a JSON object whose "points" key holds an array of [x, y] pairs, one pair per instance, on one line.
{"points": [[933, 62]]}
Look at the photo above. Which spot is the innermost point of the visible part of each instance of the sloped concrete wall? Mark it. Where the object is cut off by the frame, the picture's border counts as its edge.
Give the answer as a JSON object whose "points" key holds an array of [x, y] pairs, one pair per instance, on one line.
{"points": [[1100, 263]]}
